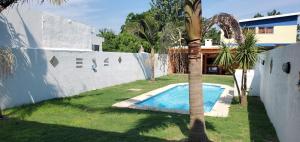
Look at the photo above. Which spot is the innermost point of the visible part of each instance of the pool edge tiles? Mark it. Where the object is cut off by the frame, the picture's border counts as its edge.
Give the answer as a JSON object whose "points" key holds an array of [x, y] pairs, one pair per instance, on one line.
{"points": [[220, 109]]}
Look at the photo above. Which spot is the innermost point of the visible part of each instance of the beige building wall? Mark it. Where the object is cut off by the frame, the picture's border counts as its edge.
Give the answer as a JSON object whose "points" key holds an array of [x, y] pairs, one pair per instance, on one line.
{"points": [[282, 34]]}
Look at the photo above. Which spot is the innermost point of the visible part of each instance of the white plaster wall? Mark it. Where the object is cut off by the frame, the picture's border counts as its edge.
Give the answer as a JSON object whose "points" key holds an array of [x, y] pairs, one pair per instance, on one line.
{"points": [[36, 79], [43, 30], [250, 77], [279, 92]]}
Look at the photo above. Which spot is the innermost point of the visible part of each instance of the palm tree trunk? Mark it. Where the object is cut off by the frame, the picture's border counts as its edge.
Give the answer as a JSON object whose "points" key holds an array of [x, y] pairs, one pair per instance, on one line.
{"points": [[197, 122], [152, 64], [244, 88]]}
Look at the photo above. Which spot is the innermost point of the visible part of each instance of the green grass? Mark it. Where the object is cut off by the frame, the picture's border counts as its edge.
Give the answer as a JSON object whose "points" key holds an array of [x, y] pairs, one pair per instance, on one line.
{"points": [[90, 118]]}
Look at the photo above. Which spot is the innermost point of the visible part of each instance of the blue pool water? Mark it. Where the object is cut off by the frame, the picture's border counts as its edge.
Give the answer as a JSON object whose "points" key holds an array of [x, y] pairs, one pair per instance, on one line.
{"points": [[177, 98]]}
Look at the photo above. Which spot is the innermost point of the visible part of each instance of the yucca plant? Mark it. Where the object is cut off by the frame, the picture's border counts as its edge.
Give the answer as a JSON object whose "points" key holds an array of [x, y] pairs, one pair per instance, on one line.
{"points": [[226, 60], [246, 56]]}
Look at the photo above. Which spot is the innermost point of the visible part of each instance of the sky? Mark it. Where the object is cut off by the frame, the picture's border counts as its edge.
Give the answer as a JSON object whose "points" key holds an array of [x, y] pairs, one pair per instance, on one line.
{"points": [[111, 14]]}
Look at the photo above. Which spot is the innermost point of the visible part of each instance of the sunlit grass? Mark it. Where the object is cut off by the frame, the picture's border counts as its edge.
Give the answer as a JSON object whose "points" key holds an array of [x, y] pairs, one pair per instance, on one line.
{"points": [[90, 117]]}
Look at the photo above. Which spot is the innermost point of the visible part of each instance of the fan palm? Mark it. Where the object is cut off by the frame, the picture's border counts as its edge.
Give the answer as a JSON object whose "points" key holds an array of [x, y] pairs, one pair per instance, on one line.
{"points": [[6, 3]]}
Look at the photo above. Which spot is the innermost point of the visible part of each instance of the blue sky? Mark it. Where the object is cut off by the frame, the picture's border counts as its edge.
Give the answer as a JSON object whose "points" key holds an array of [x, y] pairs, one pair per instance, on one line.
{"points": [[112, 13]]}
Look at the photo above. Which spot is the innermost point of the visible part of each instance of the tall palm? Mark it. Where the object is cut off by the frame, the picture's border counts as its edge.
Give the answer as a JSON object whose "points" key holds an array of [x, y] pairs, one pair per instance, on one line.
{"points": [[6, 3], [246, 56], [193, 22], [146, 29]]}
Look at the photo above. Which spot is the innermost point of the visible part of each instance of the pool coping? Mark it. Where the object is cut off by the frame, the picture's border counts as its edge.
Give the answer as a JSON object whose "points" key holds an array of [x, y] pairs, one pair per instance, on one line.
{"points": [[220, 109]]}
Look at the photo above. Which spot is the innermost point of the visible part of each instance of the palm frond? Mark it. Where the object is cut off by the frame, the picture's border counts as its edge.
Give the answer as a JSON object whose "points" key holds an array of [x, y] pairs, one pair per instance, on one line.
{"points": [[247, 52], [225, 57]]}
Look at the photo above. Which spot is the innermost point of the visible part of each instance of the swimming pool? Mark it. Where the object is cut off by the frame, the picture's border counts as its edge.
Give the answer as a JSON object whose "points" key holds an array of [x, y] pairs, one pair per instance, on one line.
{"points": [[177, 99]]}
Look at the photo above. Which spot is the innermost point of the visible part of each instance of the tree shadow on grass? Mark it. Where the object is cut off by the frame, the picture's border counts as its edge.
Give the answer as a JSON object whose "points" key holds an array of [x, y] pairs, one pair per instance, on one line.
{"points": [[14, 130], [158, 120], [153, 121], [261, 128]]}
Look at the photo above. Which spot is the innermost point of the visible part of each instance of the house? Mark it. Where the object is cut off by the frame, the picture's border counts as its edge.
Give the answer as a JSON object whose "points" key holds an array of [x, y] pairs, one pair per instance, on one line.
{"points": [[271, 31], [22, 27]]}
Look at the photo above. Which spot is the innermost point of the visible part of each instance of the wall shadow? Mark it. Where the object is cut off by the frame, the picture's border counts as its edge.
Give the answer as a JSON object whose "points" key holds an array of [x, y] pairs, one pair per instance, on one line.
{"points": [[28, 84], [261, 128]]}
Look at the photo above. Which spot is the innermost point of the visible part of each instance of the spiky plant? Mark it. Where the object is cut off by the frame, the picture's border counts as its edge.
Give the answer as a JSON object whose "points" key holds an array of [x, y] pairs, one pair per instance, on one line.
{"points": [[226, 59], [246, 56]]}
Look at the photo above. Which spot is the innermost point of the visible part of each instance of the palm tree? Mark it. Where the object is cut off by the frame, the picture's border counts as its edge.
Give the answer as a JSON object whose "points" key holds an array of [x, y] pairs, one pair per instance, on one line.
{"points": [[147, 29], [246, 56], [193, 14], [6, 3], [226, 60]]}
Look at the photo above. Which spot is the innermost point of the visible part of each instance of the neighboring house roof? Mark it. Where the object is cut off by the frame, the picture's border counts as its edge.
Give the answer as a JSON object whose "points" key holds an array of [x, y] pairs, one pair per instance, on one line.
{"points": [[270, 17]]}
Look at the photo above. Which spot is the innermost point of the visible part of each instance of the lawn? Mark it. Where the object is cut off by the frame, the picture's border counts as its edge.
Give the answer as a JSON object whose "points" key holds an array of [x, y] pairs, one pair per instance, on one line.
{"points": [[90, 118]]}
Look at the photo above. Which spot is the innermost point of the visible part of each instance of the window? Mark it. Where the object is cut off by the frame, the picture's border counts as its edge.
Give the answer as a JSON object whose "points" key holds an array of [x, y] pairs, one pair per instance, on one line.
{"points": [[261, 30], [269, 30], [95, 47], [249, 29], [266, 30]]}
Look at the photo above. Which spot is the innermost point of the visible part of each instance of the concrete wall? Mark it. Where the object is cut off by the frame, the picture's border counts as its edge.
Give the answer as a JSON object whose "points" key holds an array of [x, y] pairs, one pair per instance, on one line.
{"points": [[281, 35], [54, 59], [250, 78], [42, 30], [36, 79], [279, 91]]}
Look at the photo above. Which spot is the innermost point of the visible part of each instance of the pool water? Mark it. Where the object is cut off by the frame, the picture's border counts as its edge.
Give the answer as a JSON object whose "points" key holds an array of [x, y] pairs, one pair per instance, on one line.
{"points": [[177, 98]]}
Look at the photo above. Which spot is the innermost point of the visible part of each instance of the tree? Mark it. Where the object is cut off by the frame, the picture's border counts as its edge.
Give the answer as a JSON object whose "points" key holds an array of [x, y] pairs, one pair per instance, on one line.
{"points": [[193, 14], [226, 60], [6, 3], [213, 34], [273, 12], [168, 11], [147, 29], [246, 56], [257, 15], [109, 36]]}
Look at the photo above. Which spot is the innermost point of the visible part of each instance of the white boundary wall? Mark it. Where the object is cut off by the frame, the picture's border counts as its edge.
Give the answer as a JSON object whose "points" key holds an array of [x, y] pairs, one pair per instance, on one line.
{"points": [[36, 79], [250, 77], [279, 91], [36, 37]]}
